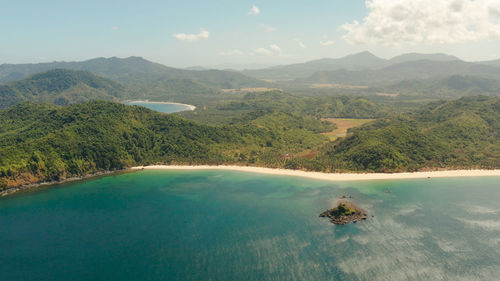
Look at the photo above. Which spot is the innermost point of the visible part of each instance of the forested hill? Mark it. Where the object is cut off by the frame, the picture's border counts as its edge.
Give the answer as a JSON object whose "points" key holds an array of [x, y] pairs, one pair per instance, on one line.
{"points": [[46, 142], [61, 87], [454, 86], [40, 142], [464, 133], [413, 70], [115, 68], [355, 62], [135, 70]]}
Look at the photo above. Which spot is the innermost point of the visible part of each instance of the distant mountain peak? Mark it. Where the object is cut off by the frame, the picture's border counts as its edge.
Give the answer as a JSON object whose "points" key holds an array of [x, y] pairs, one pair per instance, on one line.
{"points": [[419, 56], [363, 54]]}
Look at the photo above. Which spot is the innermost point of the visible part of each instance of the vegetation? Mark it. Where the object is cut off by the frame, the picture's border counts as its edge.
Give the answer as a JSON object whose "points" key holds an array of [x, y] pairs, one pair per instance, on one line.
{"points": [[133, 71], [450, 87], [60, 87], [229, 109], [344, 213], [343, 125], [40, 142], [355, 62], [73, 136], [458, 134], [343, 210], [412, 70]]}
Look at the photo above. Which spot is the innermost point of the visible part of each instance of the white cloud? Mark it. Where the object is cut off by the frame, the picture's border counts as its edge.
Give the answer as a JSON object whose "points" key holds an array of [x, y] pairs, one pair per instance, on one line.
{"points": [[272, 50], [275, 48], [254, 10], [267, 28], [300, 43], [410, 22], [204, 34], [327, 43], [234, 52], [263, 52], [114, 28]]}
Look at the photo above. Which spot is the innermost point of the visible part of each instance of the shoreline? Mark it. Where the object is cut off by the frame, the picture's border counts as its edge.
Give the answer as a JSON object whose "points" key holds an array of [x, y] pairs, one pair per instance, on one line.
{"points": [[270, 171], [190, 106], [331, 176], [31, 186]]}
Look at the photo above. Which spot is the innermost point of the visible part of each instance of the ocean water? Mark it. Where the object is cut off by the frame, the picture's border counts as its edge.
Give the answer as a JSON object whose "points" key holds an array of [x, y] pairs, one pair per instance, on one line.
{"points": [[161, 107], [222, 225]]}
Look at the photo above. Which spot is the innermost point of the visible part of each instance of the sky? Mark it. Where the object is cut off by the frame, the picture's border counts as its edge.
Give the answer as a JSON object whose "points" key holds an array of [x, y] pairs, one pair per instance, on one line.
{"points": [[241, 33]]}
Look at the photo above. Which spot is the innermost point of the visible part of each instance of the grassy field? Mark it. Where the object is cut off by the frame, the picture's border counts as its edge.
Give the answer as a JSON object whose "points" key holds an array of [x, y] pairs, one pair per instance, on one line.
{"points": [[249, 90], [392, 95], [343, 124], [336, 86]]}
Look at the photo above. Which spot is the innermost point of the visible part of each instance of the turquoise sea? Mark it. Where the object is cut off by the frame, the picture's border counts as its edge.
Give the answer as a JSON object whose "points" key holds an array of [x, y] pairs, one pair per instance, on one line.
{"points": [[224, 225], [160, 106]]}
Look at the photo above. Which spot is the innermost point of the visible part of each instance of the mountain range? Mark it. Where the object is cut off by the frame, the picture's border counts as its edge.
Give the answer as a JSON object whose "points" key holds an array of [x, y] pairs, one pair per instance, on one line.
{"points": [[412, 70], [434, 75], [60, 86], [132, 70], [355, 62]]}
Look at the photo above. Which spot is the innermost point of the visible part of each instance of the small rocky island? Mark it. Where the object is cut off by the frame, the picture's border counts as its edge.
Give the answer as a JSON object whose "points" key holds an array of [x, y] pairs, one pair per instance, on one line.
{"points": [[344, 213]]}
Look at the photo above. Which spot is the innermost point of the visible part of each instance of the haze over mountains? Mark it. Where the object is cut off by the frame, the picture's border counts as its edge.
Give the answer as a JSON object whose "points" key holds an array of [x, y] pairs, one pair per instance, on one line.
{"points": [[130, 70], [61, 87], [431, 75], [365, 68], [412, 70], [362, 65]]}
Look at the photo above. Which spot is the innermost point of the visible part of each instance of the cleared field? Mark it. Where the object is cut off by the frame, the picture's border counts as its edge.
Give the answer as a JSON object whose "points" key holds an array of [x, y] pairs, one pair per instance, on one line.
{"points": [[308, 154], [343, 124], [248, 90], [335, 86], [392, 95]]}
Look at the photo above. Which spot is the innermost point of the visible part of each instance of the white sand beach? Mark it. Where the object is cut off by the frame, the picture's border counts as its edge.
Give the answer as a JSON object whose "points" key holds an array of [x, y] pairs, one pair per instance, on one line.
{"points": [[332, 176]]}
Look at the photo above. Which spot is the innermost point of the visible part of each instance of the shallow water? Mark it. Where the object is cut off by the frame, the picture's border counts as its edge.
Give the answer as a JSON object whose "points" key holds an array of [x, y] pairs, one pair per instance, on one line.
{"points": [[223, 225], [161, 107]]}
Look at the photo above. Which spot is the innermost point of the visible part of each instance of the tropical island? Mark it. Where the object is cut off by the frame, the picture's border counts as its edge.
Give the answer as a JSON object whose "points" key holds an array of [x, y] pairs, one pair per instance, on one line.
{"points": [[344, 213]]}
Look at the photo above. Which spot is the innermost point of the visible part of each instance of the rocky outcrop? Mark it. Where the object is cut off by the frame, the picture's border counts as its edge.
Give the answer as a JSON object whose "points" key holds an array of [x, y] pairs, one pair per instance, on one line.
{"points": [[344, 213]]}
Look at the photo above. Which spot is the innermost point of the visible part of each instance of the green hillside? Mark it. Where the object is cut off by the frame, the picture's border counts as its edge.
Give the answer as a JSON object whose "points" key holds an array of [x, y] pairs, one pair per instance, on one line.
{"points": [[412, 70], [40, 142], [134, 70], [60, 87], [355, 62], [464, 133], [360, 61], [226, 108], [453, 86]]}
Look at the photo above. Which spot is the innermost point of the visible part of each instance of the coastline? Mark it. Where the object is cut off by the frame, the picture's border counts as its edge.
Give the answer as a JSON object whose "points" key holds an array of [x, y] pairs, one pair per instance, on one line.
{"points": [[31, 186], [331, 176], [271, 171], [190, 106]]}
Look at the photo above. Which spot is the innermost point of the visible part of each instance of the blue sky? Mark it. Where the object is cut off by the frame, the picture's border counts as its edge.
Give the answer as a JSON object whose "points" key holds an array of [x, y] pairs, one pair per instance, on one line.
{"points": [[210, 33]]}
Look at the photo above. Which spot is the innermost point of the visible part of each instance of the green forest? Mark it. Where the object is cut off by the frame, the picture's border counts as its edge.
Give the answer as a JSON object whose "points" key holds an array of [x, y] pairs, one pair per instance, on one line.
{"points": [[40, 142], [64, 123], [43, 142]]}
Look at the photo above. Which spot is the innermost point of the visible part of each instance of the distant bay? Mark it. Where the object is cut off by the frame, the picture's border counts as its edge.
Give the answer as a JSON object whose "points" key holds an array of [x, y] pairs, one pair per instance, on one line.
{"points": [[227, 225], [164, 107]]}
